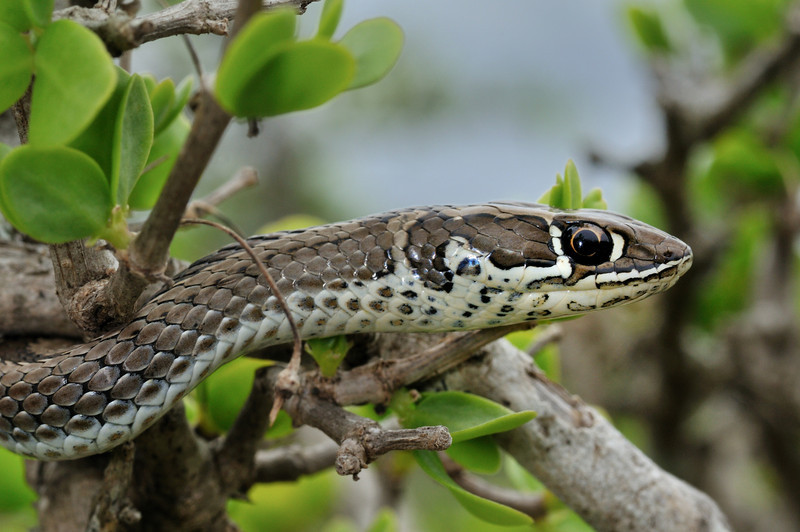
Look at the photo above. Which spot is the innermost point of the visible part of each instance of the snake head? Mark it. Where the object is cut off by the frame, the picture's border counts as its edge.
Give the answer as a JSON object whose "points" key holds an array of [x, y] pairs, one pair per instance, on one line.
{"points": [[557, 263]]}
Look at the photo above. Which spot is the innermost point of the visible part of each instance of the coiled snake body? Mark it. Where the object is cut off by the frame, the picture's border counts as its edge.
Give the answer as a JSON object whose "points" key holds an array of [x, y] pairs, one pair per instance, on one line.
{"points": [[424, 269]]}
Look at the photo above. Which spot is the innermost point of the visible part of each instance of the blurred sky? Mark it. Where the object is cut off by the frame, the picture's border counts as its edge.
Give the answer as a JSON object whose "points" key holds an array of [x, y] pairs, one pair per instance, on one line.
{"points": [[488, 101]]}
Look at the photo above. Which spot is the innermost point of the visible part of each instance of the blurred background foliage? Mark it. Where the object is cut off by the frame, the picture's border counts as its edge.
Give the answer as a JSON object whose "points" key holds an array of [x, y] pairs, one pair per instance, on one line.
{"points": [[684, 111]]}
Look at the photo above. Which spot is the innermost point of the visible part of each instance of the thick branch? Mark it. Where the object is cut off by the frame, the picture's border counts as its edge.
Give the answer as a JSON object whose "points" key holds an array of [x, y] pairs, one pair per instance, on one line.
{"points": [[28, 302], [579, 456], [122, 32]]}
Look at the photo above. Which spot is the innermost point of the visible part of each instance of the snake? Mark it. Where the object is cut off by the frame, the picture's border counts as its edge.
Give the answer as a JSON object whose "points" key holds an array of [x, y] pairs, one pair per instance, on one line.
{"points": [[424, 269]]}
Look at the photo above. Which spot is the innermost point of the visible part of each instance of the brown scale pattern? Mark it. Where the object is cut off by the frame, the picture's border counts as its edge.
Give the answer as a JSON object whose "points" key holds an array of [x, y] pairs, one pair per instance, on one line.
{"points": [[101, 381]]}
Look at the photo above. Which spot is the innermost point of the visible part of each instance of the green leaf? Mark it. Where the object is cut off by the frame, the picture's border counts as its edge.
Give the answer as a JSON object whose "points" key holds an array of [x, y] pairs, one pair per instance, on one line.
{"points": [[54, 194], [13, 13], [74, 78], [566, 193], [15, 68], [481, 455], [594, 200], [178, 100], [5, 149], [572, 187], [252, 48], [225, 391], [487, 510], [166, 147], [39, 11], [739, 24], [97, 139], [298, 76], [376, 45], [328, 353], [385, 521], [745, 166], [329, 19], [465, 415], [15, 494], [649, 30], [133, 138], [162, 97]]}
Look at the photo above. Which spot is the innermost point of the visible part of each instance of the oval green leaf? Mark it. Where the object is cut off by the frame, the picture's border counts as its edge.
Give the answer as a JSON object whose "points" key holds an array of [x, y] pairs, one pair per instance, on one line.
{"points": [[250, 51], [329, 19], [54, 194], [182, 94], [133, 138], [15, 68], [465, 415], [162, 97], [5, 149], [376, 45], [12, 12], [39, 11], [15, 493], [74, 78], [166, 147], [299, 76], [485, 509], [481, 455], [97, 139], [226, 390]]}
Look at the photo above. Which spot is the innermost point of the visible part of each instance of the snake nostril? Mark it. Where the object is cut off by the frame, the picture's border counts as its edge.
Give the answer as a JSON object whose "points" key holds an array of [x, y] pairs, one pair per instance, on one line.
{"points": [[668, 254]]}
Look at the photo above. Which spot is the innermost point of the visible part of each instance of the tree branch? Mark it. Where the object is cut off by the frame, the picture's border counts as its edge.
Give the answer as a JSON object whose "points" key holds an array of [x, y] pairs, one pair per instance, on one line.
{"points": [[579, 456], [122, 32]]}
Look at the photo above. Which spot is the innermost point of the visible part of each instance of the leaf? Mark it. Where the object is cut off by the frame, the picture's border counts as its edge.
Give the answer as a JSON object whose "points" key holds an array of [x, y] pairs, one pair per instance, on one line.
{"points": [[329, 19], [572, 187], [39, 11], [15, 68], [225, 391], [328, 353], [163, 154], [594, 200], [298, 76], [485, 509], [74, 78], [181, 96], [481, 455], [97, 139], [5, 149], [54, 194], [133, 138], [647, 25], [15, 494], [250, 50], [739, 24], [566, 193], [162, 97], [465, 415], [376, 45], [13, 13], [385, 521]]}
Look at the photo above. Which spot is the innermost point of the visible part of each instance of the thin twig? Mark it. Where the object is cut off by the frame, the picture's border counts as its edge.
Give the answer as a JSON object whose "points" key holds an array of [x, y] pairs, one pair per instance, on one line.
{"points": [[298, 342], [361, 440]]}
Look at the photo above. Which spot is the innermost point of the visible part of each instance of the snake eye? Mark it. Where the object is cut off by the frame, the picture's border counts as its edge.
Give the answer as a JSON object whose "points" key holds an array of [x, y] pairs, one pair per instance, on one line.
{"points": [[587, 245]]}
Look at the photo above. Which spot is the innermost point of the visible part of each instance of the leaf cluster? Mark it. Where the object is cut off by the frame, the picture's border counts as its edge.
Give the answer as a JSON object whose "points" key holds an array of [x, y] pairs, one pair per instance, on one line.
{"points": [[102, 142]]}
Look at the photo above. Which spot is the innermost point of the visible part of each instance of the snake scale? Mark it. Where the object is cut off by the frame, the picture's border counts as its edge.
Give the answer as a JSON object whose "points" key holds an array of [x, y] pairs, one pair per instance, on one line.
{"points": [[435, 268]]}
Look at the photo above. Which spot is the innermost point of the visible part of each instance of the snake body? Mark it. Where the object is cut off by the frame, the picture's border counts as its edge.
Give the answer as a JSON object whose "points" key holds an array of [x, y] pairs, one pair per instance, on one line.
{"points": [[422, 269]]}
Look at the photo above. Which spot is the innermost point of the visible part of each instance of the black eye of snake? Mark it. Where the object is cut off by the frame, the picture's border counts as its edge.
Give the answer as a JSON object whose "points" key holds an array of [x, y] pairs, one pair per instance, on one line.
{"points": [[587, 245]]}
